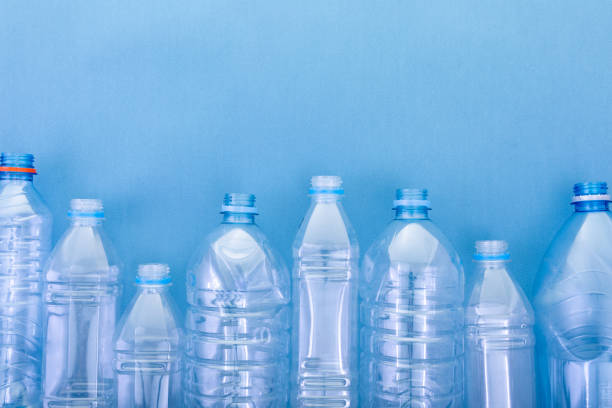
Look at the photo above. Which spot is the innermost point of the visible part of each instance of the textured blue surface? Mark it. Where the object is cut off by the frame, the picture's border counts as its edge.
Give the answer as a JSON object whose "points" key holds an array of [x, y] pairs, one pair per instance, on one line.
{"points": [[159, 109]]}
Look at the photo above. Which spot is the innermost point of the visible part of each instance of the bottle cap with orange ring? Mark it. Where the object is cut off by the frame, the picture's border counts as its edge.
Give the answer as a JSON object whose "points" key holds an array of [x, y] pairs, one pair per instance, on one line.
{"points": [[17, 163]]}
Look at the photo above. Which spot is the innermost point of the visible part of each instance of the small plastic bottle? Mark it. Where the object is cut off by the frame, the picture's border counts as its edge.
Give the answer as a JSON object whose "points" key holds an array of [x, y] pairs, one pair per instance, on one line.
{"points": [[148, 344], [325, 279], [81, 291], [499, 337]]}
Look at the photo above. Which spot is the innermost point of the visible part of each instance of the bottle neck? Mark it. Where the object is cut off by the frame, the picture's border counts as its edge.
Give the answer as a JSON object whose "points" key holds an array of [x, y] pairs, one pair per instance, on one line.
{"points": [[153, 287], [325, 198], [591, 206], [411, 213], [491, 264], [238, 218], [86, 221], [16, 176]]}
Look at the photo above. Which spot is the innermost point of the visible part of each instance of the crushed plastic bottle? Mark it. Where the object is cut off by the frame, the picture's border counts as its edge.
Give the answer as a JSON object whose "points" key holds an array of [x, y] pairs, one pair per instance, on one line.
{"points": [[237, 326], [573, 305]]}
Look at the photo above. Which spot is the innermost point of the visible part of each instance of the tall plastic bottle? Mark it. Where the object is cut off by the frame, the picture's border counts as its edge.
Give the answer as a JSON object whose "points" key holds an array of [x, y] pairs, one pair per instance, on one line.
{"points": [[573, 304], [499, 337], [411, 296], [81, 294], [148, 344], [325, 279], [237, 326], [25, 242]]}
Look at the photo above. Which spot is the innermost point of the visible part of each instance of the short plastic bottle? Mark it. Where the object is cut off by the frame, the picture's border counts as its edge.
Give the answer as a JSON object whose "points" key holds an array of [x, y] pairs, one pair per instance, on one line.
{"points": [[81, 291], [325, 278], [573, 304], [25, 242], [237, 326], [148, 344], [411, 297], [499, 337]]}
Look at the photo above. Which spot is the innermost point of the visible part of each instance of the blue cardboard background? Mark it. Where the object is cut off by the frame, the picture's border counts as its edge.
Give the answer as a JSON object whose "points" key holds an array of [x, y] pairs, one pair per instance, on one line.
{"points": [[159, 108]]}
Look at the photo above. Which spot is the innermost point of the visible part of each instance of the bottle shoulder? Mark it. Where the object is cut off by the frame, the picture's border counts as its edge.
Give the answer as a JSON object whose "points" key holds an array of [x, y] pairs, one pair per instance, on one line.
{"points": [[497, 300], [416, 245], [151, 322], [237, 257], [21, 199], [579, 256], [326, 226], [83, 252]]}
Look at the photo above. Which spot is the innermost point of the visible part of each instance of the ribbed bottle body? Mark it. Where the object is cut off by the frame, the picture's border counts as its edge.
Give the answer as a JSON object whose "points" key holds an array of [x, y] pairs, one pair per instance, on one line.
{"points": [[411, 297], [25, 242], [325, 299], [81, 292], [237, 325], [500, 366], [325, 282]]}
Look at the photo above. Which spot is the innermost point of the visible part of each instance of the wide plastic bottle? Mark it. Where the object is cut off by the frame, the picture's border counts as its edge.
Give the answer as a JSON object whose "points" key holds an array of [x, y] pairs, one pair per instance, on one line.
{"points": [[499, 339], [325, 279], [411, 297], [25, 242], [237, 326], [573, 304], [81, 294], [148, 344]]}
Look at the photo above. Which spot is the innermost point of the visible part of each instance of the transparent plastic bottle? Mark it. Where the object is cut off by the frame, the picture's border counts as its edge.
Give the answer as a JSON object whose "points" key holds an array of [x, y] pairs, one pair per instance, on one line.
{"points": [[411, 296], [573, 305], [81, 292], [25, 242], [147, 344], [325, 279], [499, 339], [237, 326]]}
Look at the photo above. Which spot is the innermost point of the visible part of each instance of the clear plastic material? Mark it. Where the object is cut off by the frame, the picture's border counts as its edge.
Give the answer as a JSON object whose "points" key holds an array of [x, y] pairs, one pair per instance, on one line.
{"points": [[573, 306], [499, 339], [25, 242], [325, 279], [411, 296], [81, 292], [237, 326], [147, 345]]}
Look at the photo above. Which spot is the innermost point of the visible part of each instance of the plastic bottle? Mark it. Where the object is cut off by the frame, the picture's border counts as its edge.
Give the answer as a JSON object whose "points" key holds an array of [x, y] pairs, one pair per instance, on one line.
{"points": [[237, 326], [25, 241], [411, 296], [81, 293], [325, 278], [499, 337], [573, 304], [147, 345]]}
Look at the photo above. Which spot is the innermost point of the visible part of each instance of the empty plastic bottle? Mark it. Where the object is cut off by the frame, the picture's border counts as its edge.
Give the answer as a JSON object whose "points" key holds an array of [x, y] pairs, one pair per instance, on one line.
{"points": [[325, 279], [499, 337], [147, 345], [25, 242], [237, 326], [411, 297], [573, 304], [81, 292]]}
